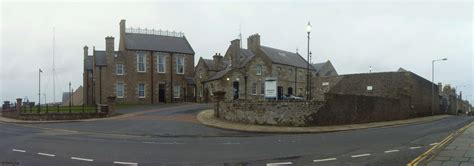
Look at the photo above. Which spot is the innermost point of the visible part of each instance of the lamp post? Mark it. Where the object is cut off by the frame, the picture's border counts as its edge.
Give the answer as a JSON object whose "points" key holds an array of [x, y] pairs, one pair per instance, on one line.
{"points": [[39, 89], [70, 94], [308, 30], [432, 83]]}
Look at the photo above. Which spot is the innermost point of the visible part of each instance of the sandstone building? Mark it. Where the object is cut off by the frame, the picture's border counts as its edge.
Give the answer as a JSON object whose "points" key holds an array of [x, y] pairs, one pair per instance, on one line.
{"points": [[149, 67], [241, 73]]}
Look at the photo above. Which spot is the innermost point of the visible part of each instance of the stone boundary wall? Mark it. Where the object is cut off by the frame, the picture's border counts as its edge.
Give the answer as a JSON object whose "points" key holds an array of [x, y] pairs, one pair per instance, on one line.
{"points": [[278, 113], [51, 116]]}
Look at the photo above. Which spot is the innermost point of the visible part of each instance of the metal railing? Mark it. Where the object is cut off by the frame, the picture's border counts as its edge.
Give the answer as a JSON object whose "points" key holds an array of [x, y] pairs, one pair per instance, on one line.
{"points": [[154, 32]]}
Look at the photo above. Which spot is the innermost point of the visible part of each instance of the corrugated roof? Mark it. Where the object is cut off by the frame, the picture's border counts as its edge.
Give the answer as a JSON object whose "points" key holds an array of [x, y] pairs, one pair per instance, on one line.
{"points": [[158, 43], [285, 57], [100, 58]]}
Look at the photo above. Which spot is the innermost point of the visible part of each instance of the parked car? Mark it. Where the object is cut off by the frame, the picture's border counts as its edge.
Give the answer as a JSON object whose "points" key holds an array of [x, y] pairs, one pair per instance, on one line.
{"points": [[292, 97]]}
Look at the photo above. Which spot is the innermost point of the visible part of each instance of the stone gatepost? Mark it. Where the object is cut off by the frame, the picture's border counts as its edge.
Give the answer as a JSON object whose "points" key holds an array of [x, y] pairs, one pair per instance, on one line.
{"points": [[111, 105], [219, 97], [18, 104]]}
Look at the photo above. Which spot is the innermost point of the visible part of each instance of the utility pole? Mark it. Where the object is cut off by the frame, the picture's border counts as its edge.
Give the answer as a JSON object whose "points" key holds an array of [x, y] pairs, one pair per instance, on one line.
{"points": [[432, 84], [39, 89]]}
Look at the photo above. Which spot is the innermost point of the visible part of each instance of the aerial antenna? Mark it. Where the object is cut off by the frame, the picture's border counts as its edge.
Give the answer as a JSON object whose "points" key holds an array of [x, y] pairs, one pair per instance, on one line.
{"points": [[54, 67], [240, 35]]}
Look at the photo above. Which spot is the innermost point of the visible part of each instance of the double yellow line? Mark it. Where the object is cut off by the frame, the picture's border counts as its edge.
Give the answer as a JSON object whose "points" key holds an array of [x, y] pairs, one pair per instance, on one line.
{"points": [[430, 151]]}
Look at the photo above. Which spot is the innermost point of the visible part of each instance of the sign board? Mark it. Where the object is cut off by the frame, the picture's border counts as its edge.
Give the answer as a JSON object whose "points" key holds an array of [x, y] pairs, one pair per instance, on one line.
{"points": [[325, 83], [369, 88], [270, 88]]}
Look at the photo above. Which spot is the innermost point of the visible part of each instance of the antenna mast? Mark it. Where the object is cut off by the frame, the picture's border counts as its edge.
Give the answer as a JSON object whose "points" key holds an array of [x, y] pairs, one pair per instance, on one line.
{"points": [[240, 35], [54, 68]]}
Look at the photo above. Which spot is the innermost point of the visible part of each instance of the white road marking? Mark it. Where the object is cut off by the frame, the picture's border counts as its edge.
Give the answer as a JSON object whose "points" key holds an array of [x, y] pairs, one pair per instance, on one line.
{"points": [[391, 151], [125, 163], [321, 160], [232, 143], [46, 154], [283, 163], [18, 150], [164, 143], [360, 155], [82, 159], [434, 144], [415, 147]]}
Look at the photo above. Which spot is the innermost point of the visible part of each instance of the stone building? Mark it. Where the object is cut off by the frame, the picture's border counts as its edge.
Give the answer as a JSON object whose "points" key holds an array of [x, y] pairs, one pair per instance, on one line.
{"points": [[241, 73], [149, 67], [402, 91]]}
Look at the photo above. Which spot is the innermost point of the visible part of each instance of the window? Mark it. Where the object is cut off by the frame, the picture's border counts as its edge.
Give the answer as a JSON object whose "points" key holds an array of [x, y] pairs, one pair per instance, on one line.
{"points": [[290, 91], [177, 91], [141, 90], [259, 69], [141, 62], [200, 91], [211, 87], [254, 88], [200, 74], [119, 90], [262, 88], [119, 69], [161, 63], [180, 65]]}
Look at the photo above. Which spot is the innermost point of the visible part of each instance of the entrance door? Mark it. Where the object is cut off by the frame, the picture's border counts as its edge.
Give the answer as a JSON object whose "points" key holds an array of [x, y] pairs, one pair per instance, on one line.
{"points": [[280, 92], [290, 91], [161, 93], [236, 90]]}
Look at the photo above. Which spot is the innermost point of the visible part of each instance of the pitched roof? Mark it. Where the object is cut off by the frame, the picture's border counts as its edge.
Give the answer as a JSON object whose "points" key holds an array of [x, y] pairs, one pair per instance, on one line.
{"points": [[89, 62], [285, 57], [100, 58], [210, 64], [324, 69], [151, 42], [219, 74]]}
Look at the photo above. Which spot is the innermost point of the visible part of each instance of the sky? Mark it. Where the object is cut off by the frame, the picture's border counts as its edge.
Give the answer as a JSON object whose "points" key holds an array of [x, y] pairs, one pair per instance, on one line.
{"points": [[353, 35]]}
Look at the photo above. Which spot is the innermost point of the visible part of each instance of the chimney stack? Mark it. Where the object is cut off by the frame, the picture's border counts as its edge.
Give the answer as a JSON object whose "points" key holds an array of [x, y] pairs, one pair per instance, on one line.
{"points": [[86, 51], [122, 27], [109, 44], [235, 57], [253, 42], [218, 62]]}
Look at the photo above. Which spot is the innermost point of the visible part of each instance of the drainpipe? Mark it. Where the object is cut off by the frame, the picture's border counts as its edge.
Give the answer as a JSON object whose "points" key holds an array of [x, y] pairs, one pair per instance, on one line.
{"points": [[151, 72], [171, 74]]}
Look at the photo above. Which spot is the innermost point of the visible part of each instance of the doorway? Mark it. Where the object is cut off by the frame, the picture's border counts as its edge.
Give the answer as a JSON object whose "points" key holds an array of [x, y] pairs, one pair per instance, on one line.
{"points": [[236, 90], [161, 93], [280, 92]]}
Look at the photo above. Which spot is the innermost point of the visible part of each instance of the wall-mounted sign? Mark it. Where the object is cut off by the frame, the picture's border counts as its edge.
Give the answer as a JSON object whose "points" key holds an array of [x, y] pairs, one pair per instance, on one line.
{"points": [[270, 88], [325, 83], [369, 88]]}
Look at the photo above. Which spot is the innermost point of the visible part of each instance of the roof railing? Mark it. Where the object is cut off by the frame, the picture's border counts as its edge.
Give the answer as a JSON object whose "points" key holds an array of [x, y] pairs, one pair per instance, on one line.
{"points": [[154, 32]]}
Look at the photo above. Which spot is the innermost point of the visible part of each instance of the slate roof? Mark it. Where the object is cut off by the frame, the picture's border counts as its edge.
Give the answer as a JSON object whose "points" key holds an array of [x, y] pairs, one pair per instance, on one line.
{"points": [[89, 62], [150, 42], [100, 58], [210, 64], [324, 69], [285, 57], [245, 57]]}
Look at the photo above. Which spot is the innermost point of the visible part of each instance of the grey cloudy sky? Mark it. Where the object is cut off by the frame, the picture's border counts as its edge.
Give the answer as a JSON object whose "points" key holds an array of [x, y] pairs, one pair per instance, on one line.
{"points": [[352, 34]]}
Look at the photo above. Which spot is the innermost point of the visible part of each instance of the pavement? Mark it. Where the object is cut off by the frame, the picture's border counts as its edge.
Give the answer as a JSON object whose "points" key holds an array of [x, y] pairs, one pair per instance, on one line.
{"points": [[457, 149], [207, 117], [169, 135]]}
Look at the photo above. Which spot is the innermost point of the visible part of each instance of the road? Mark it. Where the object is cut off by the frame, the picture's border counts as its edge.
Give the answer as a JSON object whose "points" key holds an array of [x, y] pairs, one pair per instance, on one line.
{"points": [[170, 135]]}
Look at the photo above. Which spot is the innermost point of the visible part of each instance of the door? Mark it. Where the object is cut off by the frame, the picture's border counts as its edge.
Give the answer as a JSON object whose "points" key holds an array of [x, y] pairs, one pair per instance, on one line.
{"points": [[290, 91], [236, 90], [161, 93], [280, 92]]}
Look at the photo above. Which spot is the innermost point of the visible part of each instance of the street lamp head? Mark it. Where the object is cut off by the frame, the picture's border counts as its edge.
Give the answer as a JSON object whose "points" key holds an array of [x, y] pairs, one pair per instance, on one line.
{"points": [[445, 59], [308, 27]]}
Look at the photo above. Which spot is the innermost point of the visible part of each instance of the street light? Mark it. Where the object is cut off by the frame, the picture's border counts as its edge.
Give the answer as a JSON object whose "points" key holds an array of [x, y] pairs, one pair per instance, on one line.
{"points": [[39, 89], [70, 94], [432, 83], [308, 30]]}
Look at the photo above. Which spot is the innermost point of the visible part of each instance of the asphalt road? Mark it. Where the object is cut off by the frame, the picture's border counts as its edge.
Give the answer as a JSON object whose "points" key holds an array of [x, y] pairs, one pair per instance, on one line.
{"points": [[169, 135]]}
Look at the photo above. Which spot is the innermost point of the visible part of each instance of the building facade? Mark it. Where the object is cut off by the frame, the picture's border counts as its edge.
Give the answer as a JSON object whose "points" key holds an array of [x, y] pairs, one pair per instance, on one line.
{"points": [[149, 67], [241, 73]]}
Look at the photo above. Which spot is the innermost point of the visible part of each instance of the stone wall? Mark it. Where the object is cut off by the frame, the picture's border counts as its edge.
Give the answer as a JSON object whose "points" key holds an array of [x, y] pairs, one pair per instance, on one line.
{"points": [[279, 113], [51, 116]]}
